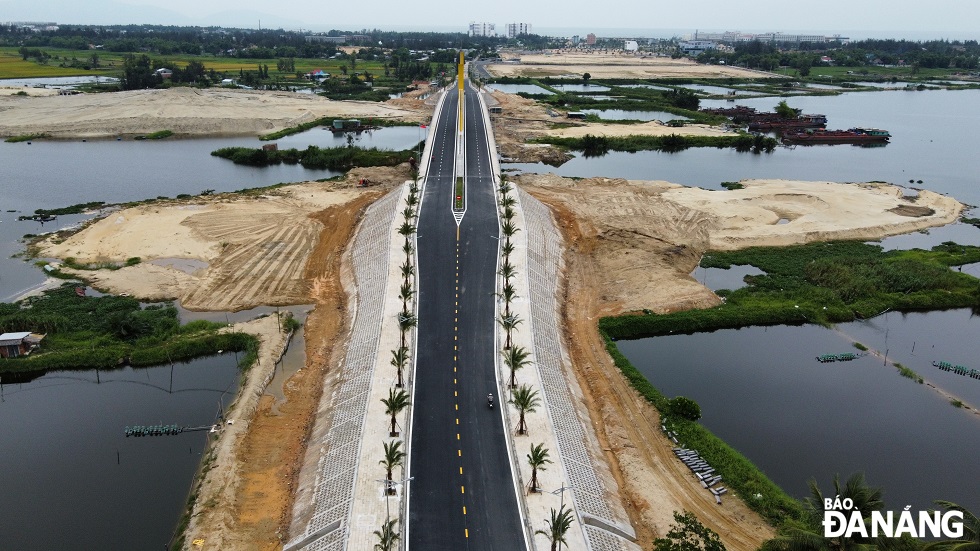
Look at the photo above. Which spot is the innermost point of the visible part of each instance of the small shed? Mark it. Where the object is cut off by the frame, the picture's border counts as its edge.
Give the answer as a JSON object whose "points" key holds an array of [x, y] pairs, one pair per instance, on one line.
{"points": [[496, 109], [14, 345], [576, 115]]}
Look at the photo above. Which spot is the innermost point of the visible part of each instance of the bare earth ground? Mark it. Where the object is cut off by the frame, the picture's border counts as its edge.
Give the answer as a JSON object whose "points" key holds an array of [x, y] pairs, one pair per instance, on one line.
{"points": [[631, 245], [227, 252], [246, 502], [283, 247], [613, 65], [185, 111]]}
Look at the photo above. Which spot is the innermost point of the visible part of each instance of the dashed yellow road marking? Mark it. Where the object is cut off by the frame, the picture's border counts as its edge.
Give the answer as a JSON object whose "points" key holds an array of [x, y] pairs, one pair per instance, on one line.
{"points": [[464, 509], [460, 470], [459, 453], [467, 531], [457, 436], [462, 489]]}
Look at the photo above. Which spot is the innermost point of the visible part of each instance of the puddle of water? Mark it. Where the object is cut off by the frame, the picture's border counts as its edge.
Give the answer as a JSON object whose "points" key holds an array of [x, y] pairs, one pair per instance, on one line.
{"points": [[190, 266], [292, 361]]}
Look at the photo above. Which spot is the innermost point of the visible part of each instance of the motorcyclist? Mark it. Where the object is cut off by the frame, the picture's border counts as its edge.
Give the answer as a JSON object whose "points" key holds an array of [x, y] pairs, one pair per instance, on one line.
{"points": [[490, 399]]}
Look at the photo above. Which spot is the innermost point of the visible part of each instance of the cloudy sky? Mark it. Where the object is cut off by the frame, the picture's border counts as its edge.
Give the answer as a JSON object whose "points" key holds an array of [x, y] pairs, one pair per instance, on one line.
{"points": [[946, 18]]}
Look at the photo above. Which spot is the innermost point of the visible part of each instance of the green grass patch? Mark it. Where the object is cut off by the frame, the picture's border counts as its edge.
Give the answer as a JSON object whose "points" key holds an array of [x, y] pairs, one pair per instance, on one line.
{"points": [[909, 373], [814, 283], [25, 138], [956, 403], [732, 185], [106, 332], [458, 198], [159, 135], [599, 145], [860, 347], [971, 221], [78, 208], [331, 158], [328, 121]]}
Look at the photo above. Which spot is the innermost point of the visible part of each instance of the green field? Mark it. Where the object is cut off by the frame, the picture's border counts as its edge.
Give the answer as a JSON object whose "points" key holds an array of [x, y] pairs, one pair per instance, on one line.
{"points": [[13, 66]]}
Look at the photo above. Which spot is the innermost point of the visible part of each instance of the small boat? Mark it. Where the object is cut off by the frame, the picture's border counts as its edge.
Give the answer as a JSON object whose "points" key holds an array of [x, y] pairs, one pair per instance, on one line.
{"points": [[851, 136]]}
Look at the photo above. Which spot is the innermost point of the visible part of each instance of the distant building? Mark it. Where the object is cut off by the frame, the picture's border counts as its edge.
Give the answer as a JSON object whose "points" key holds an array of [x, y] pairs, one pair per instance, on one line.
{"points": [[695, 47], [736, 36], [590, 39], [14, 345], [516, 29], [163, 72], [482, 29], [631, 46], [324, 38]]}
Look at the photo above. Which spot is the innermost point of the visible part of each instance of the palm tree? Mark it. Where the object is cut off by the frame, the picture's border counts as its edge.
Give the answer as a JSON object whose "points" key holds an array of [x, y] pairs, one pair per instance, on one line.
{"points": [[407, 270], [507, 292], [507, 201], [406, 229], [808, 534], [526, 400], [508, 213], [386, 536], [406, 322], [558, 526], [407, 247], [408, 213], [393, 458], [509, 323], [504, 187], [506, 249], [396, 401], [516, 358], [537, 460], [507, 270], [413, 198], [405, 292], [971, 532], [398, 359], [509, 228]]}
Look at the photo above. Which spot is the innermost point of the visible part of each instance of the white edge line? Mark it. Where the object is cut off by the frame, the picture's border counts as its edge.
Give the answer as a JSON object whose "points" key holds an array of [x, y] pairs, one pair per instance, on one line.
{"points": [[511, 448], [406, 489]]}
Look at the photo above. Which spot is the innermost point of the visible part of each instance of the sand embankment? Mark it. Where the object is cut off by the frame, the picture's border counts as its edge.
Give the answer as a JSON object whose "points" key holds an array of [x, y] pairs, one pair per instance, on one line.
{"points": [[612, 65], [184, 111]]}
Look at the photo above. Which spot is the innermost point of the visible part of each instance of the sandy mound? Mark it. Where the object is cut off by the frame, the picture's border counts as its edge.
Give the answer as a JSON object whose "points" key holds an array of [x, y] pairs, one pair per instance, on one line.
{"points": [[647, 237], [652, 128], [612, 65], [185, 111], [229, 252]]}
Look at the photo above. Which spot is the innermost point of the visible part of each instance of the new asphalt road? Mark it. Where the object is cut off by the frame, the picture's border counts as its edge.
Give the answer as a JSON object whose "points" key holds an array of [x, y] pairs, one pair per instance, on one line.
{"points": [[462, 494]]}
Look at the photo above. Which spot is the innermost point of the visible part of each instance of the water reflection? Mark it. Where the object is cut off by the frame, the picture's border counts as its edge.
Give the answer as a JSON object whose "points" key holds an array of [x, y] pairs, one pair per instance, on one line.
{"points": [[761, 391], [109, 492]]}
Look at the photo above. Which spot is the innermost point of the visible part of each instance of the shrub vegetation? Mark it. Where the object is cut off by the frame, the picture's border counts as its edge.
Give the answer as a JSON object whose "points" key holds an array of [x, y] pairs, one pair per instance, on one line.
{"points": [[110, 331]]}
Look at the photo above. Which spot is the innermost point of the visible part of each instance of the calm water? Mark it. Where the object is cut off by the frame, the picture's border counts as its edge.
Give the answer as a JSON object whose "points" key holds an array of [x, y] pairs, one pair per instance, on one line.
{"points": [[517, 88], [933, 141], [64, 486], [718, 278], [620, 114], [51, 174], [580, 87], [762, 391], [56, 82]]}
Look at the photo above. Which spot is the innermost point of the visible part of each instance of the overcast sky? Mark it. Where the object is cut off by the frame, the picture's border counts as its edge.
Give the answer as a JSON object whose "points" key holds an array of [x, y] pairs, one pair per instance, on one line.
{"points": [[947, 18]]}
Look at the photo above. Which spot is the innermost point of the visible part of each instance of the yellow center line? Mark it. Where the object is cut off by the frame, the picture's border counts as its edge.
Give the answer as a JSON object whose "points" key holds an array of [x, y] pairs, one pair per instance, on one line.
{"points": [[460, 470], [457, 436], [459, 453], [464, 509], [467, 531], [462, 489]]}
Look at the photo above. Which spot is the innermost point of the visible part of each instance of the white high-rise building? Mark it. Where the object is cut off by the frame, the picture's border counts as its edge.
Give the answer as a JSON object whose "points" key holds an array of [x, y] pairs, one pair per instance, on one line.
{"points": [[515, 29], [482, 29]]}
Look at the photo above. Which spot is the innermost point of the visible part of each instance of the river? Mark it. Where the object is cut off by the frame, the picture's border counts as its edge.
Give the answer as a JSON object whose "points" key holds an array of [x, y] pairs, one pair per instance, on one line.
{"points": [[60, 433]]}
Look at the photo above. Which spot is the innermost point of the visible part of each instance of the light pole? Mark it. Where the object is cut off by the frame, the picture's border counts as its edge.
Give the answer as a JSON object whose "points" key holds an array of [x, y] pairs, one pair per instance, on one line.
{"points": [[561, 508], [388, 485]]}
